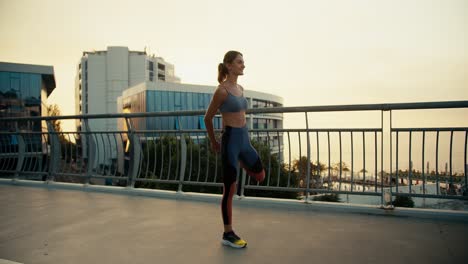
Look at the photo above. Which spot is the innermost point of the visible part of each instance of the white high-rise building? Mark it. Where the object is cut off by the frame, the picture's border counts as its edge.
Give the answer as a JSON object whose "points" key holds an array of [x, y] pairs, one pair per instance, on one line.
{"points": [[102, 76]]}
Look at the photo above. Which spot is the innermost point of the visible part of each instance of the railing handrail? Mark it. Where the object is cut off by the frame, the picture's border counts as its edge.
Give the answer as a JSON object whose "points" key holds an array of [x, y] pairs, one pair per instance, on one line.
{"points": [[282, 110]]}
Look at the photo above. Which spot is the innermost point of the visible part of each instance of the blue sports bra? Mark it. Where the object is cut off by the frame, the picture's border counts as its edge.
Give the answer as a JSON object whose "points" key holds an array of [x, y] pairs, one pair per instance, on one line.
{"points": [[233, 103]]}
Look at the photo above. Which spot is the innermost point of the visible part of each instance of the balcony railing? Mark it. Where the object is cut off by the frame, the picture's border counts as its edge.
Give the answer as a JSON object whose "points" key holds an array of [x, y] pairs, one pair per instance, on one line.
{"points": [[370, 160]]}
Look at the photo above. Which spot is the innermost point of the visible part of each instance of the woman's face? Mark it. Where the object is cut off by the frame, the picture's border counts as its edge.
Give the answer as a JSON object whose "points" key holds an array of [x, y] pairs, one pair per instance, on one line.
{"points": [[237, 66]]}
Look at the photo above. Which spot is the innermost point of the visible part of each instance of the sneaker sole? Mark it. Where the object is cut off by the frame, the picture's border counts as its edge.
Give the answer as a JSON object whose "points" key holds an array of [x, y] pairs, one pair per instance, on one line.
{"points": [[227, 243]]}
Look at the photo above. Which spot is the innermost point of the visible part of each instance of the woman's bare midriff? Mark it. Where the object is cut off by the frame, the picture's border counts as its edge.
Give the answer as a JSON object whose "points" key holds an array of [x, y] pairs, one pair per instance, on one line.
{"points": [[236, 119]]}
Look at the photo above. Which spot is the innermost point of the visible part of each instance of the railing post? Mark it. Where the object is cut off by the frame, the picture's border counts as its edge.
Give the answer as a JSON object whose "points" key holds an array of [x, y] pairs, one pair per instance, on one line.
{"points": [[135, 154], [21, 153], [183, 161], [241, 185], [308, 159], [90, 153], [55, 151], [386, 195]]}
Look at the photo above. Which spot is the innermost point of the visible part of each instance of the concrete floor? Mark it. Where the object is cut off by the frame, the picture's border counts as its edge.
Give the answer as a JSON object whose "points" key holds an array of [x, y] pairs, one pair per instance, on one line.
{"points": [[41, 225]]}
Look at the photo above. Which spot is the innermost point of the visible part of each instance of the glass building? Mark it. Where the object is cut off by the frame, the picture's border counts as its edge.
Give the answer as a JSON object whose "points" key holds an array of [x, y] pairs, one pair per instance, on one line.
{"points": [[168, 97], [24, 89]]}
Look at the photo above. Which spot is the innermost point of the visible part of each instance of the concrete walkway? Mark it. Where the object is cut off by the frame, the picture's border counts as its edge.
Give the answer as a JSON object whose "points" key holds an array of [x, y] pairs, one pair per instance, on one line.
{"points": [[41, 225]]}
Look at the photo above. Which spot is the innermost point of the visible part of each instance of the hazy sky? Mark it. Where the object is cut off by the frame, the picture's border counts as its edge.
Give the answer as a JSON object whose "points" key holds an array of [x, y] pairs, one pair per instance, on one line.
{"points": [[309, 52]]}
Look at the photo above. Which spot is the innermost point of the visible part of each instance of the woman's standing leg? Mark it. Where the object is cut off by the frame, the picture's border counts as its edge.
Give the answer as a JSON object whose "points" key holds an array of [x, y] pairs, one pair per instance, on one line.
{"points": [[226, 205], [229, 156]]}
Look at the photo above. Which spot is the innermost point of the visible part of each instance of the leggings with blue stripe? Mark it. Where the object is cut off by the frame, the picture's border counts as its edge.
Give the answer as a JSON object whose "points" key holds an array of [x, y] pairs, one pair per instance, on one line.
{"points": [[235, 147]]}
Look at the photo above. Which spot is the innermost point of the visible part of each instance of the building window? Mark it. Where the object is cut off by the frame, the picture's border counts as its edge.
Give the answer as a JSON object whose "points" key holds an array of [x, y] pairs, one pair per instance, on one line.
{"points": [[150, 66]]}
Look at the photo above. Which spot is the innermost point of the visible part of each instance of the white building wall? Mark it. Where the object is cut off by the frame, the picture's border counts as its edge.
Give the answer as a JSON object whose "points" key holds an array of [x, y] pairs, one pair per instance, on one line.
{"points": [[137, 69]]}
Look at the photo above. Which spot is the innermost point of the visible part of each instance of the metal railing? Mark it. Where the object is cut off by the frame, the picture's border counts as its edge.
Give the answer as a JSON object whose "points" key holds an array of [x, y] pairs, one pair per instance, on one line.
{"points": [[298, 161]]}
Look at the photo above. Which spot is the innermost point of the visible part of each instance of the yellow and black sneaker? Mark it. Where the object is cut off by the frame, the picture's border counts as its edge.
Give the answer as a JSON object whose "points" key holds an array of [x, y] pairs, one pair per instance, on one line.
{"points": [[232, 240]]}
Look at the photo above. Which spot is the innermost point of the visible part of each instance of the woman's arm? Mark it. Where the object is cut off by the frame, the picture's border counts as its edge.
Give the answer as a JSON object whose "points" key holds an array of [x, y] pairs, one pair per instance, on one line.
{"points": [[218, 98]]}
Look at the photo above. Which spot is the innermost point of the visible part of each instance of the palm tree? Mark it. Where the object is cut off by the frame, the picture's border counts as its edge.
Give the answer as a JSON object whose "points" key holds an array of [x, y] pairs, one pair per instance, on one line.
{"points": [[300, 166]]}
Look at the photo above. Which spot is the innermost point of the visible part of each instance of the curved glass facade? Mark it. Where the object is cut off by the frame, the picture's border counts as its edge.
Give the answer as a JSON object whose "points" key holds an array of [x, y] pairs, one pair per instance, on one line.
{"points": [[168, 101], [20, 96]]}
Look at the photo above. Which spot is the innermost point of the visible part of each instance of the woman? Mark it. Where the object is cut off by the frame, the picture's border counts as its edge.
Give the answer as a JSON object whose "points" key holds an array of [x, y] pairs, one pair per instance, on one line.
{"points": [[235, 144]]}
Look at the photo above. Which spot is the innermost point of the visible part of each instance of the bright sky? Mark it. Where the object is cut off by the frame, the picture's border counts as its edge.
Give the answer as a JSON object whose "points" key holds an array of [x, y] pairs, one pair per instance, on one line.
{"points": [[308, 52], [311, 52]]}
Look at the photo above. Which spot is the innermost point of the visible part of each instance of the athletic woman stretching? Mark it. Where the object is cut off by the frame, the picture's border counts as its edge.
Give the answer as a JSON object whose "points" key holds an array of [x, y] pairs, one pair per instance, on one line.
{"points": [[235, 143]]}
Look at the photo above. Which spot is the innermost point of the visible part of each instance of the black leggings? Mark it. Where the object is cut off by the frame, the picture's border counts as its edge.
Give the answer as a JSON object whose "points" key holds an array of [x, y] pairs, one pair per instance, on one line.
{"points": [[235, 147]]}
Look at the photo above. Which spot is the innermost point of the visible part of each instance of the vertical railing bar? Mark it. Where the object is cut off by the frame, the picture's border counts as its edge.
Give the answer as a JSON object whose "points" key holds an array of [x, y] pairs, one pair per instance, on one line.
{"points": [[300, 154], [318, 158], [341, 161], [269, 158], [33, 160], [155, 153], [329, 161], [96, 155], [199, 158], [116, 156], [123, 150], [41, 167], [178, 152], [396, 163], [259, 140], [2, 150], [170, 158], [27, 160], [79, 152], [105, 153], [161, 142], [140, 164], [9, 149], [437, 163], [352, 162], [40, 158], [289, 150], [104, 150], [364, 161], [308, 157], [382, 156], [191, 157], [64, 147], [98, 146], [410, 172], [422, 170], [451, 162], [466, 163], [11, 159], [78, 168], [216, 167], [71, 153], [207, 160], [38, 149], [38, 163], [278, 158], [109, 158], [375, 160]]}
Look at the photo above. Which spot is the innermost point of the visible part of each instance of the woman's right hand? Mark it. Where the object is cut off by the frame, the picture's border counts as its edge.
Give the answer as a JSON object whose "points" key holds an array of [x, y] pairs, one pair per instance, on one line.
{"points": [[215, 146]]}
